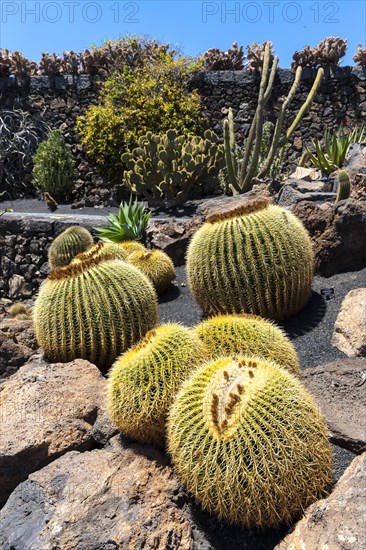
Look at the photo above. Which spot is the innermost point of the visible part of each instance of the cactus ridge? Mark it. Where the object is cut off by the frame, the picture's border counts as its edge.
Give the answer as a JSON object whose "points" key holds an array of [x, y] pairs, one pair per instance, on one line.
{"points": [[252, 206], [131, 246], [68, 244], [94, 309], [344, 186], [156, 265], [260, 263], [102, 251], [143, 382], [241, 334], [248, 442]]}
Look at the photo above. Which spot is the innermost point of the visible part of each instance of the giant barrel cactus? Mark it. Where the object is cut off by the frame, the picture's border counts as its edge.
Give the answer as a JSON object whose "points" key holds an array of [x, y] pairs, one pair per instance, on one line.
{"points": [[156, 265], [241, 334], [68, 244], [256, 258], [249, 443], [143, 382], [94, 309]]}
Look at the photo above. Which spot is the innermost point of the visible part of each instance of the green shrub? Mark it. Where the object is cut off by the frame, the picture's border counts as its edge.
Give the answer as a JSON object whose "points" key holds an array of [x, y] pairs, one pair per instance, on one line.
{"points": [[152, 97], [169, 167], [54, 166]]}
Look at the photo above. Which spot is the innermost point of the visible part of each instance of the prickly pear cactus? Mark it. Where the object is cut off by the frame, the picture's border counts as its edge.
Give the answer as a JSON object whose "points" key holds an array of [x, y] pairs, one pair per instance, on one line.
{"points": [[166, 167], [257, 258], [242, 334], [94, 309], [157, 266], [143, 382], [248, 442], [68, 244]]}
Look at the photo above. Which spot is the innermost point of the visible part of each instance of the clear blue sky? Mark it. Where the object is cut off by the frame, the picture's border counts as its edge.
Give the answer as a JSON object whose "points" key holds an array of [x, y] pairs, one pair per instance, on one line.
{"points": [[54, 26]]}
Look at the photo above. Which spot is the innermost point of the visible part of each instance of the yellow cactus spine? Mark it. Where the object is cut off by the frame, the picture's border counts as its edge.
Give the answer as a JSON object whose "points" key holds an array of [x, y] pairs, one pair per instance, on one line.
{"points": [[156, 265], [131, 246], [248, 442], [248, 334], [94, 309], [257, 258], [68, 244], [143, 382], [100, 251]]}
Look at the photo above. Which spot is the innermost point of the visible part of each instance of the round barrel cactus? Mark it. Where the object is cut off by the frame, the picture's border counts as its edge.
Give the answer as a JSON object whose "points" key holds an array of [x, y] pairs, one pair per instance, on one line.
{"points": [[101, 250], [131, 246], [156, 265], [94, 309], [249, 443], [68, 244], [257, 258], [242, 334], [143, 381]]}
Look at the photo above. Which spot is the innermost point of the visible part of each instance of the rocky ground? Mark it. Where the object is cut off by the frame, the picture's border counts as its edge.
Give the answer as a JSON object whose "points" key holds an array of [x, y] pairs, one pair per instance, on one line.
{"points": [[72, 482]]}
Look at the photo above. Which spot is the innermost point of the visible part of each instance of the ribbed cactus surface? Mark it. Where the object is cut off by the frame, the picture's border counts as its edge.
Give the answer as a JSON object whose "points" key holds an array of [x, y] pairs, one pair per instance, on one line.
{"points": [[248, 442], [100, 251], [68, 244], [344, 186], [256, 258], [94, 309], [248, 334], [156, 265], [131, 246], [143, 382]]}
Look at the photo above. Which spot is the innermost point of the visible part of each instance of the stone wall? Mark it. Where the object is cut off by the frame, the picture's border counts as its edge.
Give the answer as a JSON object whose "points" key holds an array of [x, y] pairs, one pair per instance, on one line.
{"points": [[59, 100]]}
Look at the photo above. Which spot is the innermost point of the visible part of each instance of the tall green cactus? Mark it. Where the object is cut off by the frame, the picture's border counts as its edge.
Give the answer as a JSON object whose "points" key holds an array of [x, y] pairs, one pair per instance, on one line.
{"points": [[166, 167], [93, 309], [68, 244], [248, 442], [344, 186], [241, 180], [256, 258]]}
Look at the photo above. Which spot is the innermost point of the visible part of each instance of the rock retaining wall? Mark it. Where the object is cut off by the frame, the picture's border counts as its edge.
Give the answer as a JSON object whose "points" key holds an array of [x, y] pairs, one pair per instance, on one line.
{"points": [[59, 100]]}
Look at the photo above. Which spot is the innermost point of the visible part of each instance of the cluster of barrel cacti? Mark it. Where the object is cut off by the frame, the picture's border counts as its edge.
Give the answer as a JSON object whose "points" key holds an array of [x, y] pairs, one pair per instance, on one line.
{"points": [[167, 167]]}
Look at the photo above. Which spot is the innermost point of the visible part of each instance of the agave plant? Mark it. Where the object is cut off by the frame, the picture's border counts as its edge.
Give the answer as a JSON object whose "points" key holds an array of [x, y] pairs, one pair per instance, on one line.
{"points": [[129, 224], [330, 155]]}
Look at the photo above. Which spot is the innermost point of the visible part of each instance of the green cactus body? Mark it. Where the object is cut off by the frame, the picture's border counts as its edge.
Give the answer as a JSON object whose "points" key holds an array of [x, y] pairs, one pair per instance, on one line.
{"points": [[94, 309], [68, 244], [256, 258], [143, 382], [131, 246], [248, 334], [248, 442], [344, 186], [156, 265], [102, 250]]}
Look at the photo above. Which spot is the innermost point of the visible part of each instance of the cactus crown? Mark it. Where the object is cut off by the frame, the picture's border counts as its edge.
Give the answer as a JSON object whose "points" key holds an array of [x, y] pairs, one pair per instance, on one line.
{"points": [[84, 261], [248, 442], [101, 251], [68, 244], [254, 205], [156, 265]]}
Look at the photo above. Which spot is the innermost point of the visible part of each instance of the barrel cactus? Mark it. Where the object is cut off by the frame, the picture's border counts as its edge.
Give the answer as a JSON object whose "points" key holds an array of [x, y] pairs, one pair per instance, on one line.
{"points": [[156, 265], [248, 442], [241, 334], [68, 244], [143, 382], [102, 250], [131, 246], [94, 309], [256, 258]]}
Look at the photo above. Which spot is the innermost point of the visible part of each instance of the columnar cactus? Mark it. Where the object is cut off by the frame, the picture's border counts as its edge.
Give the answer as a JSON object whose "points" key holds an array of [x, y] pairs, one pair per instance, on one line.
{"points": [[248, 442], [242, 334], [157, 266], [143, 382], [256, 258], [344, 186], [94, 309], [68, 244]]}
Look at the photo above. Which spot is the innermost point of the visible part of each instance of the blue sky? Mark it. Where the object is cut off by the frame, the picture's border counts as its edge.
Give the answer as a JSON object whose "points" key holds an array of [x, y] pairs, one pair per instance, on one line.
{"points": [[55, 26]]}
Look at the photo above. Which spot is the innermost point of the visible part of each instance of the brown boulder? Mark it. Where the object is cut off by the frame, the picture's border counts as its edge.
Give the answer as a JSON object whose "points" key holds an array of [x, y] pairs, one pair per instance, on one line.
{"points": [[17, 345], [48, 410], [338, 389], [337, 522], [349, 333], [338, 232]]}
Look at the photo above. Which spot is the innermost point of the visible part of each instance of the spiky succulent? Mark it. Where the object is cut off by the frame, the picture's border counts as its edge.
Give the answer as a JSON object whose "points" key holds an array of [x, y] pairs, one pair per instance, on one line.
{"points": [[131, 246], [143, 382], [94, 309], [68, 244], [248, 442], [156, 265], [241, 334], [256, 258], [102, 250], [344, 186]]}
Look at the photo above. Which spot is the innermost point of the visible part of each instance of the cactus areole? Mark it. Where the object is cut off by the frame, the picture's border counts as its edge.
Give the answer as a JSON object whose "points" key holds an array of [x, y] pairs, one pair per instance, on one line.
{"points": [[256, 258]]}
